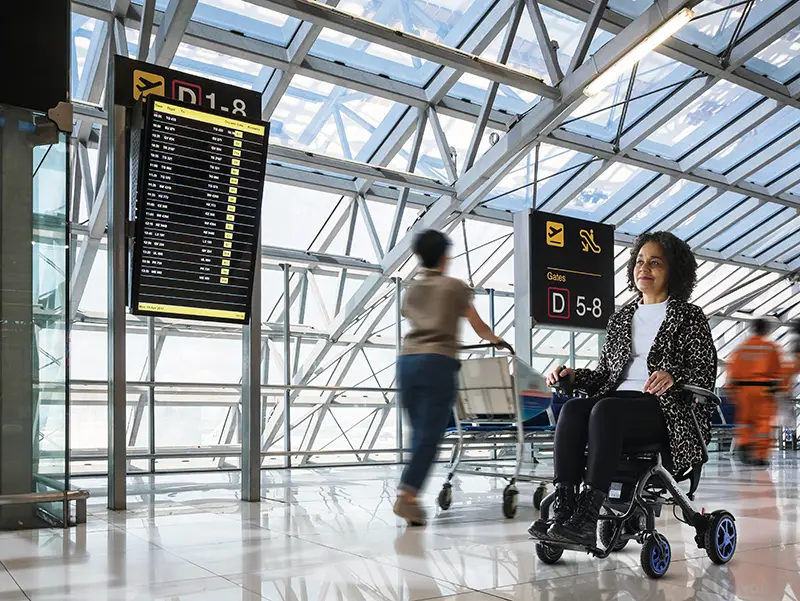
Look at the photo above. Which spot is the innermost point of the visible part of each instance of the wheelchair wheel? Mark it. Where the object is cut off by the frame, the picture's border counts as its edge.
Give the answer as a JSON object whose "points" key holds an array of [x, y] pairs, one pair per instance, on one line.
{"points": [[720, 537], [510, 501], [538, 496], [548, 553], [606, 533], [445, 497], [656, 555]]}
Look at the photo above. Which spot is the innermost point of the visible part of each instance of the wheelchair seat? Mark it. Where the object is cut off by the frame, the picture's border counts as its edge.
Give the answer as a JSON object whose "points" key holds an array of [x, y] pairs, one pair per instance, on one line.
{"points": [[644, 449]]}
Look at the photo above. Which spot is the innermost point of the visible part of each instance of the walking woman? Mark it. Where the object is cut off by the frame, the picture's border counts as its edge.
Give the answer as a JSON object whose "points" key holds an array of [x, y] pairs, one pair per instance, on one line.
{"points": [[427, 366]]}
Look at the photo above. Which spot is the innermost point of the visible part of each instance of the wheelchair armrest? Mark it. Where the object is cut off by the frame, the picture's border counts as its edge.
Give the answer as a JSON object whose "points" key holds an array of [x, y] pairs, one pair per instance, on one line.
{"points": [[701, 395]]}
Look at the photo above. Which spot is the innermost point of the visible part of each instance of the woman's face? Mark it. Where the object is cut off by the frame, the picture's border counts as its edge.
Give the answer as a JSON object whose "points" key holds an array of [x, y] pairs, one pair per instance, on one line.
{"points": [[651, 272]]}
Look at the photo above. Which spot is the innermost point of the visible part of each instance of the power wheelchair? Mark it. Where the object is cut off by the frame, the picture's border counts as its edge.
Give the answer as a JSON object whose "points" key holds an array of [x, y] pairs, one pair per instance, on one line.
{"points": [[641, 486]]}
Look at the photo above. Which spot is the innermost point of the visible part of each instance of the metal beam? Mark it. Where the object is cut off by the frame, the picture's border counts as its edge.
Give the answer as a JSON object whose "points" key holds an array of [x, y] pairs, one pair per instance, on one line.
{"points": [[145, 29], [402, 199], [442, 145], [547, 114], [686, 53], [649, 162], [170, 31], [546, 45], [491, 91], [365, 29], [589, 29]]}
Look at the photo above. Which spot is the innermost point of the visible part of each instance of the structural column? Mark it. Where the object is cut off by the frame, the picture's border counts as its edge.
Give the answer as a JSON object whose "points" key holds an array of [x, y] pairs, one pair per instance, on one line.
{"points": [[16, 316]]}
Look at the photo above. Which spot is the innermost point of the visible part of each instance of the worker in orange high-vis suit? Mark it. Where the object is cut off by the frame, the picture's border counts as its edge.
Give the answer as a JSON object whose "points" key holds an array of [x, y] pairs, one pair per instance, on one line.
{"points": [[754, 378], [791, 370]]}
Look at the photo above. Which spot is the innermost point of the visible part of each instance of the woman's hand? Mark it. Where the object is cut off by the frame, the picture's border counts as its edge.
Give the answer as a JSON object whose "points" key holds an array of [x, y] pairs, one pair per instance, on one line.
{"points": [[560, 372], [658, 383]]}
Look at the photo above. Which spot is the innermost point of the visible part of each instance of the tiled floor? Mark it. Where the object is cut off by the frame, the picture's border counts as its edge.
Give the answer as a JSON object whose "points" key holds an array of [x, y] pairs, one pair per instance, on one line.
{"points": [[329, 535]]}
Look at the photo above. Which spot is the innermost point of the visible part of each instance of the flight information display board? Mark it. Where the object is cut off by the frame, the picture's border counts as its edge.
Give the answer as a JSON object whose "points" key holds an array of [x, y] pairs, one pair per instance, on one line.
{"points": [[572, 271], [201, 180]]}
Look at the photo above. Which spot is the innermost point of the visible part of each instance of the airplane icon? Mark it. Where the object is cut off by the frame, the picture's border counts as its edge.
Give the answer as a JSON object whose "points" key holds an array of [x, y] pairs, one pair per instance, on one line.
{"points": [[146, 84]]}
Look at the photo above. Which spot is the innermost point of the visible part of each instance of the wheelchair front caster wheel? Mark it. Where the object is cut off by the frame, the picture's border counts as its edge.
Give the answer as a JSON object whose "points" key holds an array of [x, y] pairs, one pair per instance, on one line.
{"points": [[656, 555], [538, 497], [720, 537], [446, 497], [510, 501], [548, 553]]}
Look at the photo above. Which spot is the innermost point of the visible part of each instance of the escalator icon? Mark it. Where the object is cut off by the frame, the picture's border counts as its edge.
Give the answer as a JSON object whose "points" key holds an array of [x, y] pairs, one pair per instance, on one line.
{"points": [[588, 243]]}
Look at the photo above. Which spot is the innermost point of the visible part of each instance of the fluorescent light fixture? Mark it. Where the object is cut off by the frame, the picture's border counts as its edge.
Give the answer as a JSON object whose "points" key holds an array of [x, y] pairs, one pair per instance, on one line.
{"points": [[647, 45]]}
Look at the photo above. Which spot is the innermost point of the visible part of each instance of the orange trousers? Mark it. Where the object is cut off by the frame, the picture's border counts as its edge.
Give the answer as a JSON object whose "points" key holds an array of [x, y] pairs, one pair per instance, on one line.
{"points": [[755, 414]]}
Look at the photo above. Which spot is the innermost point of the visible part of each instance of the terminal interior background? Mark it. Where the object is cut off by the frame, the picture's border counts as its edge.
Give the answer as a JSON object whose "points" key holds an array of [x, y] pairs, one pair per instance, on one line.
{"points": [[703, 142]]}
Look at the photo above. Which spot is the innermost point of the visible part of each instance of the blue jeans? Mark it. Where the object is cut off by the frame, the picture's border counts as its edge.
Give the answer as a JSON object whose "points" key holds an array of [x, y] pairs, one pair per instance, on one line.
{"points": [[427, 386]]}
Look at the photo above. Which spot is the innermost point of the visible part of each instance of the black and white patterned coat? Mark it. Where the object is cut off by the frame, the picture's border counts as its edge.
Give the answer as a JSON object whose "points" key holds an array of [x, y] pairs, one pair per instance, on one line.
{"points": [[685, 349]]}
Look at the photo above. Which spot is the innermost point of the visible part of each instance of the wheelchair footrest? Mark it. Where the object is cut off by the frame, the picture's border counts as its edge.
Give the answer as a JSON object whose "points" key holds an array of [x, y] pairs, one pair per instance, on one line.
{"points": [[596, 551]]}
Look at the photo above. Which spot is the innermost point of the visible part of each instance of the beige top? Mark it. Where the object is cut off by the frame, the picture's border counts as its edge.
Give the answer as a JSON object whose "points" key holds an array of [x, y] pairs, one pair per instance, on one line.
{"points": [[434, 304]]}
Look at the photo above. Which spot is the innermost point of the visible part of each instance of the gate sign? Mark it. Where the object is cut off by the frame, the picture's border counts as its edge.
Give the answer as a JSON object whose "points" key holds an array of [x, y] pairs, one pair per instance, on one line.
{"points": [[135, 80], [572, 271]]}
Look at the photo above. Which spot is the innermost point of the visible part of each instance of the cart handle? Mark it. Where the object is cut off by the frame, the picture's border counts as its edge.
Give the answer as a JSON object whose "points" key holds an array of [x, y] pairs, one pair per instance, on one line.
{"points": [[503, 345]]}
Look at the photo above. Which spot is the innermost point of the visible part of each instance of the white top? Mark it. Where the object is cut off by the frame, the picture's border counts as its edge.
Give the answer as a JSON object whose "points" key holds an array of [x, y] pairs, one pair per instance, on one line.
{"points": [[646, 322]]}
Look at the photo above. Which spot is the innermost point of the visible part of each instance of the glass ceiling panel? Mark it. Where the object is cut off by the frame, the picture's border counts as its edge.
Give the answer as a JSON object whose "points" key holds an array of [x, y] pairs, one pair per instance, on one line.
{"points": [[655, 72], [447, 22], [525, 55], [326, 118], [723, 220], [352, 51], [597, 198], [83, 29], [758, 231], [780, 60], [708, 214], [785, 234], [213, 65], [770, 301], [457, 132], [713, 278], [630, 8], [750, 141], [742, 227], [567, 32], [248, 19], [714, 33], [790, 255], [508, 99], [789, 243], [552, 160], [699, 121], [243, 17], [788, 161], [649, 215]]}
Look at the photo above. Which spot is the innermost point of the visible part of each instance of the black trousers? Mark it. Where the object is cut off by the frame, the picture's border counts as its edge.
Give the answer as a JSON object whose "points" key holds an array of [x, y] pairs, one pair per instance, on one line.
{"points": [[605, 424]]}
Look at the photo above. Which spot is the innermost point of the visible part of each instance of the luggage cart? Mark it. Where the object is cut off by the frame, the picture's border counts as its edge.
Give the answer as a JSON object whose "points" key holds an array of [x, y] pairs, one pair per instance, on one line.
{"points": [[496, 396]]}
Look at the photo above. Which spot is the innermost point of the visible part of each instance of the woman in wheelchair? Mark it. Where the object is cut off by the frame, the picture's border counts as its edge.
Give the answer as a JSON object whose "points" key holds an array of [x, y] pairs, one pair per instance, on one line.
{"points": [[654, 345]]}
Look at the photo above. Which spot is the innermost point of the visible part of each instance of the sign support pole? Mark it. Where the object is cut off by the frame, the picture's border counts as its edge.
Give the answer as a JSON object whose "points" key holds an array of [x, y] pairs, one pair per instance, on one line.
{"points": [[117, 209], [522, 287], [251, 393]]}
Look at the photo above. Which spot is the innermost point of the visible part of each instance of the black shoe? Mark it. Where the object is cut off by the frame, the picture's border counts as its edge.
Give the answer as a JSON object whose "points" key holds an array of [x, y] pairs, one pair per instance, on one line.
{"points": [[581, 528], [743, 452], [563, 505]]}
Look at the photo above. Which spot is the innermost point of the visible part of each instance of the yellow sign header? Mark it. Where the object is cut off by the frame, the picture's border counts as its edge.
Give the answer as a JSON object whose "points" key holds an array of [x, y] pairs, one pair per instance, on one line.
{"points": [[196, 311], [188, 113]]}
